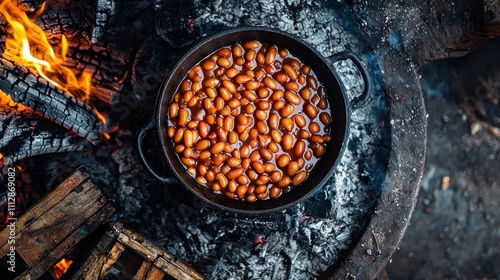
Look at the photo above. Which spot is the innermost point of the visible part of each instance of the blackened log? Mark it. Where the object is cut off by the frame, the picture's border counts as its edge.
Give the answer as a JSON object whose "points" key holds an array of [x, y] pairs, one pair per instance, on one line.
{"points": [[176, 22], [30, 90], [27, 137], [60, 19], [102, 16]]}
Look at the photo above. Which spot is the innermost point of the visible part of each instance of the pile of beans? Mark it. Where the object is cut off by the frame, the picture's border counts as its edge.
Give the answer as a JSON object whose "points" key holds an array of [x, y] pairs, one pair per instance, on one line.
{"points": [[250, 121]]}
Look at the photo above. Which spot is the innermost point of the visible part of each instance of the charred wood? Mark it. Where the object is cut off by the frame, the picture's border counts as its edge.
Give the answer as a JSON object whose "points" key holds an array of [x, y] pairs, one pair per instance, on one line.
{"points": [[103, 16], [26, 88], [30, 5]]}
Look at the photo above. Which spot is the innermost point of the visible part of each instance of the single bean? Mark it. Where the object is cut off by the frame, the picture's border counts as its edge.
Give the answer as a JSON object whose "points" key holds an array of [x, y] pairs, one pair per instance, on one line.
{"points": [[233, 174], [305, 93], [249, 95], [283, 53], [278, 105], [241, 79], [243, 180], [260, 74], [287, 124], [229, 86], [237, 50], [241, 190], [251, 198], [223, 62], [173, 110], [325, 118], [208, 65], [318, 152], [251, 45], [306, 69], [287, 110], [271, 55], [245, 151], [171, 131], [215, 187], [252, 175], [231, 72], [269, 167], [179, 148], [283, 160], [292, 168], [274, 192], [277, 95], [284, 182], [260, 115], [314, 127], [211, 82], [299, 148], [250, 55], [233, 137], [202, 145], [311, 111], [232, 186], [233, 103], [261, 127], [290, 72], [262, 180], [179, 135], [254, 133], [327, 138], [323, 104], [183, 117], [217, 148], [188, 161], [292, 98], [245, 164], [276, 176], [270, 83], [228, 148], [188, 152], [280, 77], [258, 167], [293, 86], [299, 178], [225, 94], [273, 147], [276, 136], [315, 99], [312, 83], [266, 154], [252, 85], [205, 155], [262, 92], [287, 142], [260, 189], [317, 139]]}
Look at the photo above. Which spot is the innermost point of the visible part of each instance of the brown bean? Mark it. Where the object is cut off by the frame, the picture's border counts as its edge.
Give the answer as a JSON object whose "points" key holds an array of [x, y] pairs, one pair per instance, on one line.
{"points": [[221, 178], [260, 115], [327, 138], [203, 129], [299, 148], [233, 174], [179, 135], [299, 178], [245, 151], [283, 53], [262, 92], [211, 82], [233, 103], [229, 86], [205, 155], [225, 94], [311, 111], [188, 161], [286, 110], [266, 154], [293, 86], [208, 65], [280, 77], [232, 186], [287, 124], [287, 142], [251, 198], [269, 167], [270, 83], [183, 117], [245, 164], [173, 110], [275, 176], [218, 147], [276, 136], [188, 152], [292, 98], [237, 51], [318, 152], [252, 175], [305, 93], [306, 69], [261, 127], [233, 162], [202, 145], [223, 62], [290, 72], [314, 127], [283, 160], [215, 187], [243, 180], [196, 87], [323, 104], [271, 55], [251, 45], [171, 131], [258, 167], [325, 118], [252, 85], [277, 95], [255, 156], [262, 180], [317, 139], [231, 72], [250, 55], [273, 147], [315, 99], [228, 123], [241, 79], [233, 137], [292, 168], [185, 86], [192, 124], [241, 190], [274, 192], [312, 83], [179, 148], [249, 95], [260, 189], [284, 182], [230, 195]]}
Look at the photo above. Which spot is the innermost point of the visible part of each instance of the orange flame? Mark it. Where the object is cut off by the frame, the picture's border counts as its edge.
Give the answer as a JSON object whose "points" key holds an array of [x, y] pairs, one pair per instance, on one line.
{"points": [[61, 267], [28, 45]]}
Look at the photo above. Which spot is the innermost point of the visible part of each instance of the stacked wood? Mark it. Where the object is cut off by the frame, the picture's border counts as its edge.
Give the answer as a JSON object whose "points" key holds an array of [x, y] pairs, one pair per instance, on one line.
{"points": [[53, 226]]}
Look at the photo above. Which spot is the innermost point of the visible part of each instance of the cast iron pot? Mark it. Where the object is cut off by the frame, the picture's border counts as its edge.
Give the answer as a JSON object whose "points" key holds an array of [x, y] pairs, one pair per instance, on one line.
{"points": [[339, 104]]}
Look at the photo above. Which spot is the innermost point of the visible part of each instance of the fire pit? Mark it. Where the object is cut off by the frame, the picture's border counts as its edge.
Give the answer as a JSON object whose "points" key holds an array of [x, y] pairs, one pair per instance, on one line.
{"points": [[350, 227]]}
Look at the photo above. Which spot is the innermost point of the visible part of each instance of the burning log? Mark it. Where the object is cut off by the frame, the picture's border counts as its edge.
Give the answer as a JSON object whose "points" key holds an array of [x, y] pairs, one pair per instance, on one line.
{"points": [[49, 101]]}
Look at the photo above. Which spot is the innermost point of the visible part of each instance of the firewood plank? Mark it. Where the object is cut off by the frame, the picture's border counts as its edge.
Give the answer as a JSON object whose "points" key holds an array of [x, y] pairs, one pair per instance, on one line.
{"points": [[41, 236], [155, 274], [142, 272], [64, 247], [39, 209]]}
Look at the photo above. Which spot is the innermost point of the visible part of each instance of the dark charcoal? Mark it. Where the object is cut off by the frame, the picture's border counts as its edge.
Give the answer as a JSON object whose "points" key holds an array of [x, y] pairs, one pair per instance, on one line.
{"points": [[177, 22]]}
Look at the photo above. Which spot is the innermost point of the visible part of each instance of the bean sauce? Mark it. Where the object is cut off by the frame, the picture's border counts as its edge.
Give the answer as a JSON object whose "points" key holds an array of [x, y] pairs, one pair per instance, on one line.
{"points": [[250, 121]]}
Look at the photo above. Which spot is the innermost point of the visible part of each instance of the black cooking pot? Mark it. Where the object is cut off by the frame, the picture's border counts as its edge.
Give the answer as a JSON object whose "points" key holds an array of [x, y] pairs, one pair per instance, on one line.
{"points": [[339, 104]]}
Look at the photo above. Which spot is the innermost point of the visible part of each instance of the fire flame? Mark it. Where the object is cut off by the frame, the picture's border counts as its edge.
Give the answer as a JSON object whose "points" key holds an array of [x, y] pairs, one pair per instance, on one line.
{"points": [[61, 267], [27, 44]]}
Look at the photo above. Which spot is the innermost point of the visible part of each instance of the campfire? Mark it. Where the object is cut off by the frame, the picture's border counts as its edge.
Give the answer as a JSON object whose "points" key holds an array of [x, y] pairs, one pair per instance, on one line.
{"points": [[78, 80]]}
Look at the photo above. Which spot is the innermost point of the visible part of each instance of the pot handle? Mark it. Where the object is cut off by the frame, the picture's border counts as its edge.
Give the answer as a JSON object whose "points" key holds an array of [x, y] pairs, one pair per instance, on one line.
{"points": [[140, 136], [358, 101]]}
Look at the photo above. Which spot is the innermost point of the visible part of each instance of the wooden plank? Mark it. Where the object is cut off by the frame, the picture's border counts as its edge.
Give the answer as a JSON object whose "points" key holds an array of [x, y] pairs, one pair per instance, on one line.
{"points": [[91, 268], [177, 269], [112, 257], [43, 235], [39, 209], [155, 274], [64, 247], [142, 272]]}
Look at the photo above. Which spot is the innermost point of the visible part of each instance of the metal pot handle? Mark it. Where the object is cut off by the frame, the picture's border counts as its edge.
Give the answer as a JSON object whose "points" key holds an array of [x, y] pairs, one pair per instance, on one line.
{"points": [[140, 136], [358, 101]]}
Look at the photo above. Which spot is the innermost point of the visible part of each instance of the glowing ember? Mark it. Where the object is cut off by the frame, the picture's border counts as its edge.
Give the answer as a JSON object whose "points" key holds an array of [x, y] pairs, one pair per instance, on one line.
{"points": [[61, 267], [27, 44]]}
